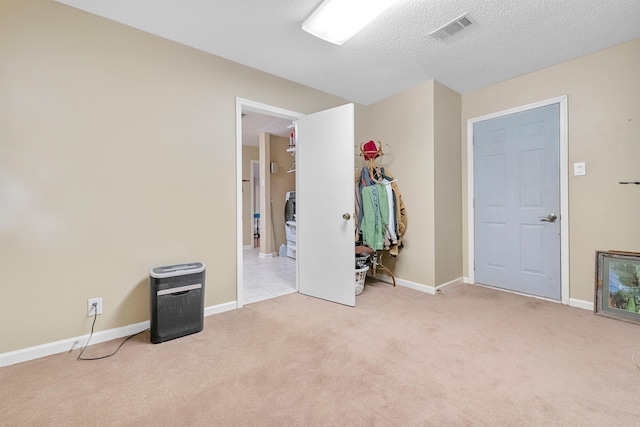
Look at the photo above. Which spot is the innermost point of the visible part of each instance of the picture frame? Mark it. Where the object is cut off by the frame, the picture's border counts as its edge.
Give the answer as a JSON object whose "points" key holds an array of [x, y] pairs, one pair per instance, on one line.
{"points": [[617, 287]]}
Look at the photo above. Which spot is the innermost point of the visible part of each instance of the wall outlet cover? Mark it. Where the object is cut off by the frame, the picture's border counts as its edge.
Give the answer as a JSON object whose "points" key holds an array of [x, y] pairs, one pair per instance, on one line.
{"points": [[90, 302]]}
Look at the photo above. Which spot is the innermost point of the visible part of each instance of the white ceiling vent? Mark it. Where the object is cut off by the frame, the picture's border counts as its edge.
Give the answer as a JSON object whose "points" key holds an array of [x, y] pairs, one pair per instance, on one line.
{"points": [[450, 28]]}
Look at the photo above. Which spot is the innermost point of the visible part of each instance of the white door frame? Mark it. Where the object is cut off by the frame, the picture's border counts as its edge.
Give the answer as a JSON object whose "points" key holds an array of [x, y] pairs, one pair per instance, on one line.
{"points": [[564, 189], [256, 107]]}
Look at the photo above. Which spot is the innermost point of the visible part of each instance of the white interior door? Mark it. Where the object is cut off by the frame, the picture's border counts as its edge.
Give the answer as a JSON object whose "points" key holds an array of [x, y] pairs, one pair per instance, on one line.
{"points": [[517, 202], [324, 169]]}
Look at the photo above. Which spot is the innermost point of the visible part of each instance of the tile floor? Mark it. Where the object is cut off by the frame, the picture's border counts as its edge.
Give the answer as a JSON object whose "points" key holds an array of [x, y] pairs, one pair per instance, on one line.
{"points": [[266, 278]]}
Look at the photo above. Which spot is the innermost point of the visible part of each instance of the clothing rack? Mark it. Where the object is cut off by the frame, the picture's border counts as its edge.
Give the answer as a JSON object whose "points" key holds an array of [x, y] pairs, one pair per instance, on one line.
{"points": [[377, 263], [371, 151]]}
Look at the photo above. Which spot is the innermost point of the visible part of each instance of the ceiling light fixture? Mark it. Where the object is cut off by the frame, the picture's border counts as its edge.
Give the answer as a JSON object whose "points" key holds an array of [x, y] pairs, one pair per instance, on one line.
{"points": [[336, 21]]}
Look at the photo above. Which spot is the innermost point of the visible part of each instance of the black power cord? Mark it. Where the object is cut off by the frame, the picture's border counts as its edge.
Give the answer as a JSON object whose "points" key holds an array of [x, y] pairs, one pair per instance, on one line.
{"points": [[95, 316]]}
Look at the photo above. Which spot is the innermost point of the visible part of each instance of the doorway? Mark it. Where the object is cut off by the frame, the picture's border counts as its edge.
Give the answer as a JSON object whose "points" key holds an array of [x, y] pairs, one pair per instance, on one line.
{"points": [[324, 237], [269, 271], [514, 178], [264, 166]]}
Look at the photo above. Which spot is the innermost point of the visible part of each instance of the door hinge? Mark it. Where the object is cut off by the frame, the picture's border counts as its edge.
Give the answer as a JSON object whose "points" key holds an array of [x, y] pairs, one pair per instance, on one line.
{"points": [[599, 283]]}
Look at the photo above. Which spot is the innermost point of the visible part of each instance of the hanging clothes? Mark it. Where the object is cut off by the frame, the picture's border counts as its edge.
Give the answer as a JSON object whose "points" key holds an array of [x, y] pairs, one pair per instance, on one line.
{"points": [[375, 207], [391, 233], [400, 214], [373, 195]]}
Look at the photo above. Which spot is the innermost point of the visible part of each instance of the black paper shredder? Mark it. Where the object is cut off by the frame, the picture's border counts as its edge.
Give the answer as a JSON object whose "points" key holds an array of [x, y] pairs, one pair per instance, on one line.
{"points": [[177, 301]]}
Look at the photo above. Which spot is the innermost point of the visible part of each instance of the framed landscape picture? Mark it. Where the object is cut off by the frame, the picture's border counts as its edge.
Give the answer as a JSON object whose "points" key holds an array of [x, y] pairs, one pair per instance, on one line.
{"points": [[617, 290]]}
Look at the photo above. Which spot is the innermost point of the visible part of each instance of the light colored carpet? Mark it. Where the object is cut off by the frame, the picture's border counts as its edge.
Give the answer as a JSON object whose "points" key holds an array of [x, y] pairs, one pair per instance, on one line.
{"points": [[473, 356]]}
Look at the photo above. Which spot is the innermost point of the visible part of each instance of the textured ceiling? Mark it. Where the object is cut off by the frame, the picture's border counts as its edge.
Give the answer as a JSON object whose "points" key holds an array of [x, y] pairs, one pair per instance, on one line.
{"points": [[255, 123], [508, 38]]}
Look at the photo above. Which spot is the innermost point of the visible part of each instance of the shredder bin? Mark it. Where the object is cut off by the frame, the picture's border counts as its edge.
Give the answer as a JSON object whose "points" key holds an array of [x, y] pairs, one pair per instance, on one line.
{"points": [[177, 301]]}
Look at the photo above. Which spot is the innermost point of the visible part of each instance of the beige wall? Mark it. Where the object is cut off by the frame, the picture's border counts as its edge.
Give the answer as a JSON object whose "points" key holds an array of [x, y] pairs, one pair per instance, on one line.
{"points": [[281, 182], [603, 92], [447, 185], [422, 129], [249, 153], [405, 122], [267, 244], [118, 155], [274, 150]]}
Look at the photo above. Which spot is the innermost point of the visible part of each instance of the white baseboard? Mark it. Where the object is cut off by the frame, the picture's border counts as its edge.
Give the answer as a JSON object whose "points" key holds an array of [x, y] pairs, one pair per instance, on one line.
{"points": [[432, 290], [458, 281], [220, 308], [581, 304], [586, 305], [269, 255], [69, 344]]}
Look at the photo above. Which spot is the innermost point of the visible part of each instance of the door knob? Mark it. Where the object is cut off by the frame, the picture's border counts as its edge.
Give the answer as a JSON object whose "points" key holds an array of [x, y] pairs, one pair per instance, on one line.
{"points": [[346, 216], [548, 218]]}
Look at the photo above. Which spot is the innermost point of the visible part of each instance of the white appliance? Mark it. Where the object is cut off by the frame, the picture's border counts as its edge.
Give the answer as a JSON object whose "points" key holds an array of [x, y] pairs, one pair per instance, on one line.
{"points": [[290, 223]]}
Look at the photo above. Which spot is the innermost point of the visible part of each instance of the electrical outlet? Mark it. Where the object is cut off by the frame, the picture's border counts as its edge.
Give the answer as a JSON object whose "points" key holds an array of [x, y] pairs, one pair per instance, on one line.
{"points": [[90, 302]]}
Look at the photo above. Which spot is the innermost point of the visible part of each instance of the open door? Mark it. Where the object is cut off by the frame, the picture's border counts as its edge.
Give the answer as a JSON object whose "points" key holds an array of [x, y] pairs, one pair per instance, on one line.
{"points": [[325, 205]]}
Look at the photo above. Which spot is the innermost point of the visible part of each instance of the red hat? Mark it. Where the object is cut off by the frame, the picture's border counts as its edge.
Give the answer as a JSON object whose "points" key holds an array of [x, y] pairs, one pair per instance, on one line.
{"points": [[370, 150]]}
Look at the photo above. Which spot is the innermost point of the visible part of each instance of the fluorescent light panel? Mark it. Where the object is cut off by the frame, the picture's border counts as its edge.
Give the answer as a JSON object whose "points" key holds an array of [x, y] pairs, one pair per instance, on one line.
{"points": [[336, 21]]}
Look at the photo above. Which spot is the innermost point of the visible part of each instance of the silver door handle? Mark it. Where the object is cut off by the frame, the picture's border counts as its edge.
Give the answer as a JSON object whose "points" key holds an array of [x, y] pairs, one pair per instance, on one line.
{"points": [[549, 218]]}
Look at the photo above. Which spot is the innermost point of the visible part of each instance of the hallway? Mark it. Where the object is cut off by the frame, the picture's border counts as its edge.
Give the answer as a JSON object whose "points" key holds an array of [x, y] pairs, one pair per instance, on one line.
{"points": [[266, 278]]}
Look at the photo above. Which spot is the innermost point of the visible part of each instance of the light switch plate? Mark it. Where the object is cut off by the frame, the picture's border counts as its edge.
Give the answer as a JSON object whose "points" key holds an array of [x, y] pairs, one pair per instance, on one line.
{"points": [[579, 169]]}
